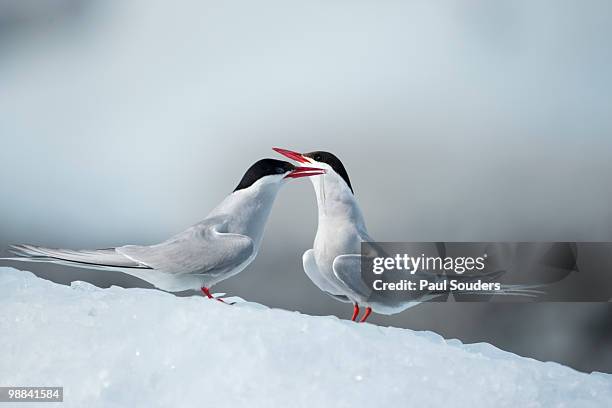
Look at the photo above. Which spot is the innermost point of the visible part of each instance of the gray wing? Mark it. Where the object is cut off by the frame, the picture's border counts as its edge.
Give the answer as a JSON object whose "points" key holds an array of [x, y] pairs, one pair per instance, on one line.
{"points": [[312, 271], [347, 269], [203, 248]]}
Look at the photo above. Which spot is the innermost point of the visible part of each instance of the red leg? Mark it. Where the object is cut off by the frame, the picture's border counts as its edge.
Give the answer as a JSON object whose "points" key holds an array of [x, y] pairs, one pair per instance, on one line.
{"points": [[366, 314], [355, 312], [206, 292]]}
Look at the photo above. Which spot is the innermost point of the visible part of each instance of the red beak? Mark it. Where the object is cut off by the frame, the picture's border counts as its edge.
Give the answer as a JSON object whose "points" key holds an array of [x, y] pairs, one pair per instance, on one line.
{"points": [[305, 172], [292, 155]]}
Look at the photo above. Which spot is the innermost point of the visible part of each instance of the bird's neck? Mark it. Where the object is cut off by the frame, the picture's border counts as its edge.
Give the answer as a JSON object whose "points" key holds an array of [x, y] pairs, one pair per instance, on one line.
{"points": [[335, 201], [248, 209]]}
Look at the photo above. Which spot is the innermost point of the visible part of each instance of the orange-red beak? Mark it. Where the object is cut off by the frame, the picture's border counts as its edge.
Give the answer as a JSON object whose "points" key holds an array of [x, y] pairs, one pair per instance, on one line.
{"points": [[292, 155], [305, 172]]}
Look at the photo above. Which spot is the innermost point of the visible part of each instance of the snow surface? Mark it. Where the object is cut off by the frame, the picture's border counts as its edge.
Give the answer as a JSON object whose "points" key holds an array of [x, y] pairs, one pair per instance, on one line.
{"points": [[145, 348]]}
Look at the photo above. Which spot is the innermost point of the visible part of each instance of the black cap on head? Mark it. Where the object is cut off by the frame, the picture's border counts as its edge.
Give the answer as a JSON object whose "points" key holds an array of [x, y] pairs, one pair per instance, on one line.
{"points": [[262, 168], [333, 162]]}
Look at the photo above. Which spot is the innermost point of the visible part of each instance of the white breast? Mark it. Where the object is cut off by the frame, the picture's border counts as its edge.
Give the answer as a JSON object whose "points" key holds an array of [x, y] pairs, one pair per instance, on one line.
{"points": [[341, 227]]}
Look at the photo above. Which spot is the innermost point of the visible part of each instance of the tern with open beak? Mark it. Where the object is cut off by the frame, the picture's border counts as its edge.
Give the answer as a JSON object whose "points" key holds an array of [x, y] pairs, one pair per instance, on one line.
{"points": [[218, 247], [333, 264]]}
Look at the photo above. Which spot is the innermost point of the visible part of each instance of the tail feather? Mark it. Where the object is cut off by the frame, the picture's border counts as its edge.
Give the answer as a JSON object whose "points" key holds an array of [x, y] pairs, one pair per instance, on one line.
{"points": [[527, 290], [105, 258]]}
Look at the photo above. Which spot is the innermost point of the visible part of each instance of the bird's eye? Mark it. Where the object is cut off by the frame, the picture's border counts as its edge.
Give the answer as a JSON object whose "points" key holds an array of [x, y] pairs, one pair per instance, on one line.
{"points": [[317, 157], [279, 170]]}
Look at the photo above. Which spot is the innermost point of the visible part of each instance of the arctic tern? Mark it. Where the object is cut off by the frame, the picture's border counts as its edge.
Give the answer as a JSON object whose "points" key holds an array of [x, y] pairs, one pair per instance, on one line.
{"points": [[218, 247], [334, 262]]}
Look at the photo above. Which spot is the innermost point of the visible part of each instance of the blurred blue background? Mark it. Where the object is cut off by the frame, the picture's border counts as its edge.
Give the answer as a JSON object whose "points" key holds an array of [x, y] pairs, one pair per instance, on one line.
{"points": [[126, 121]]}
